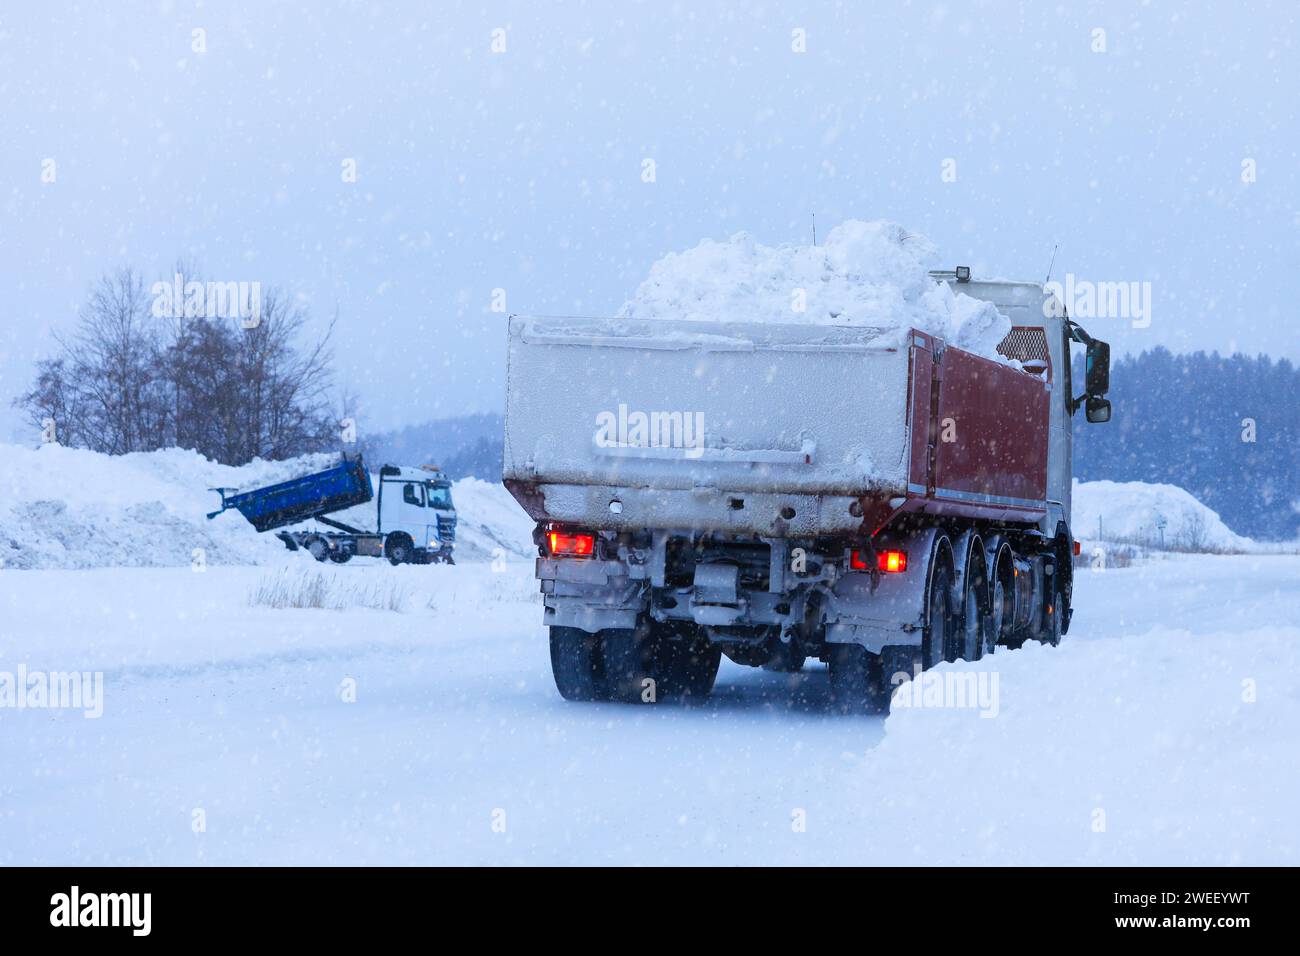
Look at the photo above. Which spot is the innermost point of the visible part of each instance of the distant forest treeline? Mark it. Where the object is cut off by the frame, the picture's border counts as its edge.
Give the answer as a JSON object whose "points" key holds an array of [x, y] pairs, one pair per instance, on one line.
{"points": [[1225, 428]]}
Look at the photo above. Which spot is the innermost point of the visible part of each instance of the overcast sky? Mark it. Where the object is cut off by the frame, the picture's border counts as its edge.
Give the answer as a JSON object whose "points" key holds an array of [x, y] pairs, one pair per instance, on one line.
{"points": [[523, 170]]}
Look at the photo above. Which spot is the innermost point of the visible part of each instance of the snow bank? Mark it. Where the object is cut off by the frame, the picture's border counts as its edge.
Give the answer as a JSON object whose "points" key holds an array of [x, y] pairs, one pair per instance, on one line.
{"points": [[865, 274], [490, 524], [1148, 749], [71, 508], [1130, 512]]}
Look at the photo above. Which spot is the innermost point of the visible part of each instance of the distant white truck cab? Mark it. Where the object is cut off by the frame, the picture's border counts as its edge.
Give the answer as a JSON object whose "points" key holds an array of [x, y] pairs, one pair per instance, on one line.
{"points": [[415, 520]]}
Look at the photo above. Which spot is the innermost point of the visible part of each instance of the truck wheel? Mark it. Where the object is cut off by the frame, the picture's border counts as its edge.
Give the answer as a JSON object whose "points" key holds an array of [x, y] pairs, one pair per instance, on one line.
{"points": [[628, 664], [785, 659], [976, 624], [997, 619], [399, 549], [318, 548], [655, 663], [575, 664], [859, 684], [340, 557], [940, 640], [690, 667]]}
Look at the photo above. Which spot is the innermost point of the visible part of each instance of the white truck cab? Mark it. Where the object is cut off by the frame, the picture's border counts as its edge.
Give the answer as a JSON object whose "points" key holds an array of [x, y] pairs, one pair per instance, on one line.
{"points": [[415, 511]]}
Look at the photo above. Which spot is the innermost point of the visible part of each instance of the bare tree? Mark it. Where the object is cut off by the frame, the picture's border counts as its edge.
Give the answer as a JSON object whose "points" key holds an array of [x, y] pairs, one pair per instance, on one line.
{"points": [[128, 380]]}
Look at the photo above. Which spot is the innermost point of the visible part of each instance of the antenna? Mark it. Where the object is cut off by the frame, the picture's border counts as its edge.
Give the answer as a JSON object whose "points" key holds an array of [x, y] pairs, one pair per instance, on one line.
{"points": [[814, 215], [1052, 263]]}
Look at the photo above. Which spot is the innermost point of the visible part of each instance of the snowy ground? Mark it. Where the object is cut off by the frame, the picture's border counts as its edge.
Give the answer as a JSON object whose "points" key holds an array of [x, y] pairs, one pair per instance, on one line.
{"points": [[1131, 743]]}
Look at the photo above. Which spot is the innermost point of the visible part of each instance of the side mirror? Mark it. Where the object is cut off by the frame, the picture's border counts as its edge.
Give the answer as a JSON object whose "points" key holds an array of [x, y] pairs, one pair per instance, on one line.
{"points": [[1097, 410], [1097, 371]]}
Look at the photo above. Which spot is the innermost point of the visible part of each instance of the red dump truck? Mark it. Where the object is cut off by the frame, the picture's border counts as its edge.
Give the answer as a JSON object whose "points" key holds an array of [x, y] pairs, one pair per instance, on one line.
{"points": [[877, 499]]}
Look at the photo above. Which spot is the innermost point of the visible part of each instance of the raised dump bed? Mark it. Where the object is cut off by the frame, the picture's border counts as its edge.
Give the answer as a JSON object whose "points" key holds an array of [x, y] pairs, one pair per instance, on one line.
{"points": [[301, 499]]}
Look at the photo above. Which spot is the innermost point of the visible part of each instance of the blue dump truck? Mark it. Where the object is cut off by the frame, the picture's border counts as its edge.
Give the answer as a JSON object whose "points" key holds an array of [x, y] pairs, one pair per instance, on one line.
{"points": [[415, 520]]}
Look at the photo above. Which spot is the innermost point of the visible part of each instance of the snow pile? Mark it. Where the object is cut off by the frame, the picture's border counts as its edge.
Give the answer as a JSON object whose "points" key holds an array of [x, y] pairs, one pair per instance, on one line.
{"points": [[1147, 749], [490, 525], [71, 508], [870, 274], [1131, 512]]}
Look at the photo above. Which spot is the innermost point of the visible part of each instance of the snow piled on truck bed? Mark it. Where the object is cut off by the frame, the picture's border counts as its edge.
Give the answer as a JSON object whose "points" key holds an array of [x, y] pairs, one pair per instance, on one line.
{"points": [[72, 508], [865, 274]]}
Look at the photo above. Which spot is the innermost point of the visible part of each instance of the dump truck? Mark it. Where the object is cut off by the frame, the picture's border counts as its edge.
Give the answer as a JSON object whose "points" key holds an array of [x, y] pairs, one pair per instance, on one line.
{"points": [[877, 499], [415, 520]]}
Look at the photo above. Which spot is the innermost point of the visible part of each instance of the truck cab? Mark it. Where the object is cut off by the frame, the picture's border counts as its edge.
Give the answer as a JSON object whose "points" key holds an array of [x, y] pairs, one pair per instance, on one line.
{"points": [[416, 516]]}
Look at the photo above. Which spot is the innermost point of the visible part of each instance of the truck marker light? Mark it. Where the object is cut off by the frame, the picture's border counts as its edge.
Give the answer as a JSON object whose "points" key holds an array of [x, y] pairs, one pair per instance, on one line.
{"points": [[1078, 549], [574, 545], [889, 562]]}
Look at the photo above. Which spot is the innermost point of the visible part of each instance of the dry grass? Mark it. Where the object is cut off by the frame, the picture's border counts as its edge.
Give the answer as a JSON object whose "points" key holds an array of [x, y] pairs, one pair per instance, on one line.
{"points": [[308, 589]]}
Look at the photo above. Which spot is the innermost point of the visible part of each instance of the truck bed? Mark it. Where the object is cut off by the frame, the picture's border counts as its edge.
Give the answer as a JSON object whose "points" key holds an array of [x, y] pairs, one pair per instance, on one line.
{"points": [[806, 429], [299, 499]]}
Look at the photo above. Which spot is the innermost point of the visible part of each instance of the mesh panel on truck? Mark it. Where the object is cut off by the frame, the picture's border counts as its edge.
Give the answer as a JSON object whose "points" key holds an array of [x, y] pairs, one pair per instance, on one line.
{"points": [[1025, 344]]}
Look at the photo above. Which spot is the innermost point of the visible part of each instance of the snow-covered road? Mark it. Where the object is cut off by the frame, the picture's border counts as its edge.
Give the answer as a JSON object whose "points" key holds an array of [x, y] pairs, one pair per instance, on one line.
{"points": [[1166, 729]]}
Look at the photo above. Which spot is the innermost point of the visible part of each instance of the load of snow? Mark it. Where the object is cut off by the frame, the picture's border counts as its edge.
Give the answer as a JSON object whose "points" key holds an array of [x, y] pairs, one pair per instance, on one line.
{"points": [[872, 274], [1131, 512], [72, 508]]}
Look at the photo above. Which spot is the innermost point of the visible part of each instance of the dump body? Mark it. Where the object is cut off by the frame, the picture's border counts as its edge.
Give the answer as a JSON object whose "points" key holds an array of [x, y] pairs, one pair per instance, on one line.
{"points": [[415, 521], [787, 430], [300, 499]]}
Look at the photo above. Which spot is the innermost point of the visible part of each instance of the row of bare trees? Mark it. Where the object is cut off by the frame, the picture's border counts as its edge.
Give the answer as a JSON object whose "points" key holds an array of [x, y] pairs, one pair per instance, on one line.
{"points": [[130, 380]]}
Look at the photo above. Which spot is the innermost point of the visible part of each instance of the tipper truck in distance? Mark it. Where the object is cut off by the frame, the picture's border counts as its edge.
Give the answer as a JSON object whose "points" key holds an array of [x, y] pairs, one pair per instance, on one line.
{"points": [[415, 521], [877, 499]]}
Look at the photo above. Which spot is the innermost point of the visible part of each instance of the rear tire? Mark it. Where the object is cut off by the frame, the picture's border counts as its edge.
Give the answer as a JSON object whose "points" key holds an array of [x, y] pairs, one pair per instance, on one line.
{"points": [[575, 664], [939, 640], [785, 659], [318, 548], [976, 622], [859, 684], [657, 662], [399, 549], [340, 557]]}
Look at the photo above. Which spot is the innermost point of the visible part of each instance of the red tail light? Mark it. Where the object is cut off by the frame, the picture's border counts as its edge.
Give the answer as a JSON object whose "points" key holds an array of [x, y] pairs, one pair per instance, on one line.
{"points": [[1078, 549], [575, 545], [891, 562], [888, 562]]}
